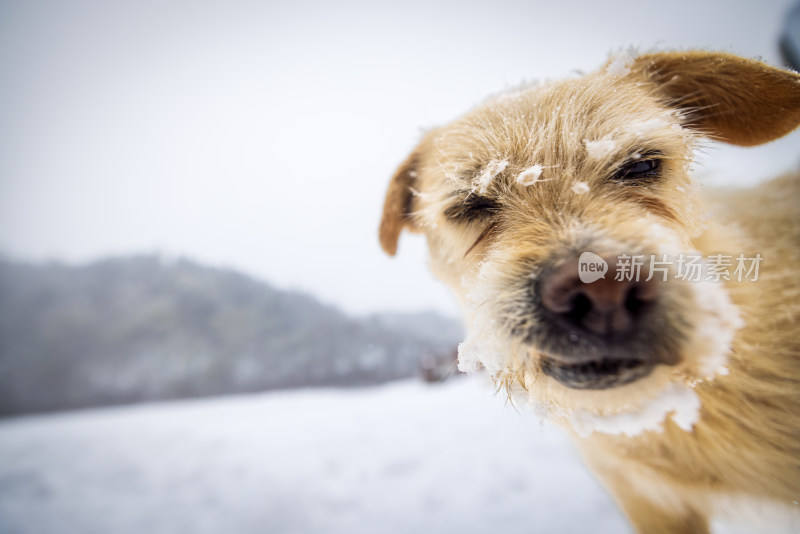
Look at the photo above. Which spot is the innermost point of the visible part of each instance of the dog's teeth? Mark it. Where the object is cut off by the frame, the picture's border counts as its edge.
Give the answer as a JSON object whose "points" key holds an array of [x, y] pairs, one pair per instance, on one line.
{"points": [[574, 338]]}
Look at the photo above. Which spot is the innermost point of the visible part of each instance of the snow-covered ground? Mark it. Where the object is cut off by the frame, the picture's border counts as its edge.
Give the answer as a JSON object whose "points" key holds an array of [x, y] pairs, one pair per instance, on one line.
{"points": [[401, 458]]}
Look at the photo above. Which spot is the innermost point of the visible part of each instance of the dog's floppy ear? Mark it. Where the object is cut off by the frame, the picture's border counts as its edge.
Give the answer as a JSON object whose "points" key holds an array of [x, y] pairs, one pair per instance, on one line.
{"points": [[397, 206], [740, 101]]}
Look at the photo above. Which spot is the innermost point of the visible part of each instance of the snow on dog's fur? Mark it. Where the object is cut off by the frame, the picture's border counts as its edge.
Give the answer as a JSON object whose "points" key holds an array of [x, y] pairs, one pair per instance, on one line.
{"points": [[679, 392]]}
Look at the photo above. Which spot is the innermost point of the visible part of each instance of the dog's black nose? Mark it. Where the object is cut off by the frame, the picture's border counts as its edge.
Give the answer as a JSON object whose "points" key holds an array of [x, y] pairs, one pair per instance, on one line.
{"points": [[605, 306]]}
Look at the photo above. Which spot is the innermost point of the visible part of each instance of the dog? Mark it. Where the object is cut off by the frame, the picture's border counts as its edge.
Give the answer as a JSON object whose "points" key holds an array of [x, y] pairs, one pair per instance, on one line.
{"points": [[540, 205]]}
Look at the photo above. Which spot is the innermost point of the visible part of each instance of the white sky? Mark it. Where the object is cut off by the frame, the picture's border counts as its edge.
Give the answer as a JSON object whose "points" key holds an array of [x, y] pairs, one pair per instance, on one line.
{"points": [[262, 136]]}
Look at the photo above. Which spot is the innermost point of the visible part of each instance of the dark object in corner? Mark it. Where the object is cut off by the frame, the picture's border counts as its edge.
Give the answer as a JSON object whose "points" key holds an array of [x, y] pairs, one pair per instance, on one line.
{"points": [[790, 38]]}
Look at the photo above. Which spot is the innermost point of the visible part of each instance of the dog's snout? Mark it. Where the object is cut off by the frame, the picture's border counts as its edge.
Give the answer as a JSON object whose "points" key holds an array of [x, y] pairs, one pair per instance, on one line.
{"points": [[606, 306]]}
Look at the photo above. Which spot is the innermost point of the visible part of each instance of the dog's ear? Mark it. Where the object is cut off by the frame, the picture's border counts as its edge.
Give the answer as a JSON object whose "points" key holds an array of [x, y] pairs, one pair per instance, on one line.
{"points": [[397, 206], [740, 101]]}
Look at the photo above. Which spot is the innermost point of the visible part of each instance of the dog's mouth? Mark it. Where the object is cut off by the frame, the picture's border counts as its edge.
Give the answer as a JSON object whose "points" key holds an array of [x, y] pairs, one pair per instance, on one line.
{"points": [[602, 373]]}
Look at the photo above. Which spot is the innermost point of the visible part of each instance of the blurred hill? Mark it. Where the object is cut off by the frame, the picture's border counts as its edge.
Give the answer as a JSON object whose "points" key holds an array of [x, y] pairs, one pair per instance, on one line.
{"points": [[145, 328]]}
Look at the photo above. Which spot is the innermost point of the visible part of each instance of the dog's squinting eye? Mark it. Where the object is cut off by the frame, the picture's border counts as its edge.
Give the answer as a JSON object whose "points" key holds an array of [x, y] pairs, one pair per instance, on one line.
{"points": [[472, 208], [639, 169]]}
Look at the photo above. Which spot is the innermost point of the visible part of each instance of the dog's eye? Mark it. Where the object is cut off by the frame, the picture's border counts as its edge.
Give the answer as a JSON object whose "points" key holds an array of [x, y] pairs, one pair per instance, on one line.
{"points": [[472, 208], [639, 169]]}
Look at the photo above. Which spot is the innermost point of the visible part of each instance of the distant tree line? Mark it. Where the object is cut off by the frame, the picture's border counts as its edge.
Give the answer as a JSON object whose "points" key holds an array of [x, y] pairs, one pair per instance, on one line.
{"points": [[143, 328]]}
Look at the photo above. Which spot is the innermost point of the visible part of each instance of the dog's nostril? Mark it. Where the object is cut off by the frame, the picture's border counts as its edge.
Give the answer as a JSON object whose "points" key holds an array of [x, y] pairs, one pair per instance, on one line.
{"points": [[580, 307], [605, 306], [633, 303]]}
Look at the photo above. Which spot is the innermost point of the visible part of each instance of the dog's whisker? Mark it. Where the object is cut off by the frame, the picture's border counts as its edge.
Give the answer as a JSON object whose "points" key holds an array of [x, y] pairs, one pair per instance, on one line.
{"points": [[481, 237]]}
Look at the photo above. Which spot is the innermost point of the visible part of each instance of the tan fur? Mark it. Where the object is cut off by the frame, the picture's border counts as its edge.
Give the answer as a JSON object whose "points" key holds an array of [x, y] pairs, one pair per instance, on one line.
{"points": [[748, 438], [575, 133]]}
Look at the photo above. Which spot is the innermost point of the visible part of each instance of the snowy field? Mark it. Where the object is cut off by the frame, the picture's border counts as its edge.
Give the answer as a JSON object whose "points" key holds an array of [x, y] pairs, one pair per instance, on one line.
{"points": [[402, 458]]}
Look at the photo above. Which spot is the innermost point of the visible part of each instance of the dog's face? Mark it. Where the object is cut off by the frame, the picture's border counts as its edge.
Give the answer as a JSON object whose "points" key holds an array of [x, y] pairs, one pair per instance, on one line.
{"points": [[512, 194]]}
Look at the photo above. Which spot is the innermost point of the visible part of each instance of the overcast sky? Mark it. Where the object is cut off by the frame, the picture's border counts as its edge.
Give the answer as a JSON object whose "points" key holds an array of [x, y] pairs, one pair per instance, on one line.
{"points": [[261, 135]]}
